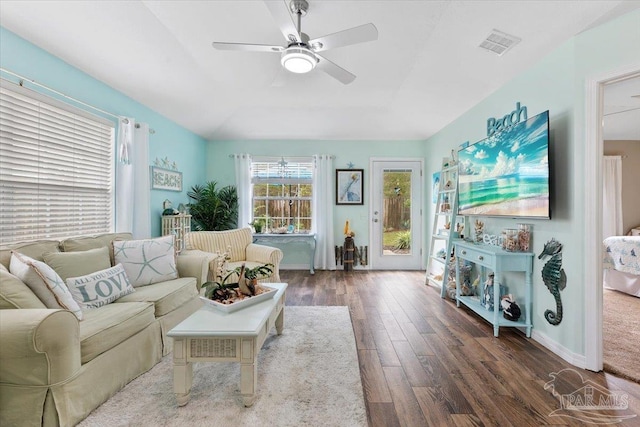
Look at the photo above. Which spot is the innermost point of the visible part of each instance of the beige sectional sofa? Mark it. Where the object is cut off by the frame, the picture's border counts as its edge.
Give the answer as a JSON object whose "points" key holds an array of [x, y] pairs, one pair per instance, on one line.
{"points": [[54, 369]]}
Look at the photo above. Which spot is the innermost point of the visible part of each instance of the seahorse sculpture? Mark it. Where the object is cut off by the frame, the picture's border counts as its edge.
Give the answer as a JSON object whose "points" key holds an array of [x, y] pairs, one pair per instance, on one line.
{"points": [[554, 277]]}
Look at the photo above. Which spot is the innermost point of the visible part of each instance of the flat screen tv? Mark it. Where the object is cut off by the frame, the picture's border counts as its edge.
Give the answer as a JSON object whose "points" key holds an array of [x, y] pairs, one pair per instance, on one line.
{"points": [[507, 174]]}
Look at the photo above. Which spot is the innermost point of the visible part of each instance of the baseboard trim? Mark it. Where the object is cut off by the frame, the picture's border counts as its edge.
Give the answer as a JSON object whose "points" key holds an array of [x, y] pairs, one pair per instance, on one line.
{"points": [[577, 360], [306, 267], [294, 266]]}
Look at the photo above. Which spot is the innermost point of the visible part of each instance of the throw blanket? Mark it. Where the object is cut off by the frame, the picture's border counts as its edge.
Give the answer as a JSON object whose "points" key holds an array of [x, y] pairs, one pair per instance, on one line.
{"points": [[622, 254]]}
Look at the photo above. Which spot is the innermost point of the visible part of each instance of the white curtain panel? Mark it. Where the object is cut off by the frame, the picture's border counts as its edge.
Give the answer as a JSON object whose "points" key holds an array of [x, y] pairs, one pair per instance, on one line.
{"points": [[133, 206], [124, 177], [243, 186], [611, 196], [322, 208], [142, 188]]}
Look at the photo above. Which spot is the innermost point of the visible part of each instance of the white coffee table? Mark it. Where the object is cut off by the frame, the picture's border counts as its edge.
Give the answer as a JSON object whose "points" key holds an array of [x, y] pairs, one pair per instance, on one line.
{"points": [[210, 335]]}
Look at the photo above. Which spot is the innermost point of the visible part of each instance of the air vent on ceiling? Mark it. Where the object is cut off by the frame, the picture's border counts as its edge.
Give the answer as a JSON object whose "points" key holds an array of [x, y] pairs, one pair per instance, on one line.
{"points": [[499, 42]]}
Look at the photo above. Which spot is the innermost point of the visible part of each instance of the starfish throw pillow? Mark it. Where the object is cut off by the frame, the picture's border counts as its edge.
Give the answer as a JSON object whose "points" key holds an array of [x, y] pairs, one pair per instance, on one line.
{"points": [[147, 261], [44, 282]]}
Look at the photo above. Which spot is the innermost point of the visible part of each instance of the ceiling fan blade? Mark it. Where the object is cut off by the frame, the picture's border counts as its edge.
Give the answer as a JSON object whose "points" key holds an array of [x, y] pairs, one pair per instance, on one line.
{"points": [[360, 34], [334, 70], [247, 47], [280, 12]]}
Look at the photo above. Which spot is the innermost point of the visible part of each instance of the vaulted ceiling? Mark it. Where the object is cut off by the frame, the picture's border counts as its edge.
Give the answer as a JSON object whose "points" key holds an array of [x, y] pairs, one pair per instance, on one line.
{"points": [[424, 71]]}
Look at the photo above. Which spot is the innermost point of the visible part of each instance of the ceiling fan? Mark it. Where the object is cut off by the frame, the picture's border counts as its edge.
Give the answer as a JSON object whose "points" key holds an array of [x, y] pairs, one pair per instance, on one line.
{"points": [[300, 55]]}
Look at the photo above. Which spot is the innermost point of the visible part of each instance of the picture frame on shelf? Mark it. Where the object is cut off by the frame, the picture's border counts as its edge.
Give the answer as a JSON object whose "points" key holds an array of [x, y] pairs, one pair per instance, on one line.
{"points": [[349, 186], [435, 185], [165, 179]]}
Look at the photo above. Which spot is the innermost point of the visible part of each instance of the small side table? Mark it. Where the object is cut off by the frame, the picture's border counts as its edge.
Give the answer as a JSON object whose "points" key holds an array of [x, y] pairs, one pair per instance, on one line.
{"points": [[308, 240]]}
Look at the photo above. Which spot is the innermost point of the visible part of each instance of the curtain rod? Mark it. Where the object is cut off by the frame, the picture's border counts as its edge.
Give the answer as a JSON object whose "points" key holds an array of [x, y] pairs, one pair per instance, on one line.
{"points": [[35, 83], [231, 156]]}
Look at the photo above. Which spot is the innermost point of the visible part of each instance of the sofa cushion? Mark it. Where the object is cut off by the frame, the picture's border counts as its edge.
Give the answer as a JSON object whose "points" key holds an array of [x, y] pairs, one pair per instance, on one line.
{"points": [[105, 327], [166, 296], [100, 288], [15, 294], [84, 243], [44, 282], [77, 244], [33, 250], [147, 261], [81, 263]]}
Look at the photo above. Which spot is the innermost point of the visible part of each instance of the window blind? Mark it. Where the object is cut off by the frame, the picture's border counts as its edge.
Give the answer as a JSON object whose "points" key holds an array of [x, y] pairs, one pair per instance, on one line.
{"points": [[282, 172], [56, 168]]}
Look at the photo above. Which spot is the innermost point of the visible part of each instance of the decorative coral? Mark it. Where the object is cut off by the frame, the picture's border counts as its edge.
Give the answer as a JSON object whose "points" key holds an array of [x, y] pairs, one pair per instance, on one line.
{"points": [[347, 231]]}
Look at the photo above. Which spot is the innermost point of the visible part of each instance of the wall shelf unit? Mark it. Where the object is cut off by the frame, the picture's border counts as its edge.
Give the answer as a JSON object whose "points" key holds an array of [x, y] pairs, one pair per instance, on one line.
{"points": [[445, 226]]}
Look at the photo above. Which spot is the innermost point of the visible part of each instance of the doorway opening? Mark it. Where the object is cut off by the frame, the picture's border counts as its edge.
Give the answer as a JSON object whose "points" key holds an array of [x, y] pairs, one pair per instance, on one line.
{"points": [[592, 173], [396, 214]]}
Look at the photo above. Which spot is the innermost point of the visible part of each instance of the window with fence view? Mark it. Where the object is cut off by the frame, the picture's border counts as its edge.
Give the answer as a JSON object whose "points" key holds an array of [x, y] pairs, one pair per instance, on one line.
{"points": [[282, 191]]}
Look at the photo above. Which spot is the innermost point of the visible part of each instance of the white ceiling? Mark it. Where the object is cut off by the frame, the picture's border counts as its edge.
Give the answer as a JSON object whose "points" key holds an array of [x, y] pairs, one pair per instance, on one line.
{"points": [[423, 72], [621, 119]]}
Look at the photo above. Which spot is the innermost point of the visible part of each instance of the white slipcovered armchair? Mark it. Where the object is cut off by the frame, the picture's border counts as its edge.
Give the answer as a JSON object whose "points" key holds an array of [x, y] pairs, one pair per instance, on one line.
{"points": [[243, 250]]}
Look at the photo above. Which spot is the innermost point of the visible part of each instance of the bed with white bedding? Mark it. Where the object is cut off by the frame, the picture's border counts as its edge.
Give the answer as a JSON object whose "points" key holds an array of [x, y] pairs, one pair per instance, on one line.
{"points": [[621, 264]]}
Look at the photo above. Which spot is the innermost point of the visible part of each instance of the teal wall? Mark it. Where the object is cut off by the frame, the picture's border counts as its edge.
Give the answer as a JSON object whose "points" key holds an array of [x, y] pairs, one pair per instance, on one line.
{"points": [[170, 140], [221, 168], [556, 83]]}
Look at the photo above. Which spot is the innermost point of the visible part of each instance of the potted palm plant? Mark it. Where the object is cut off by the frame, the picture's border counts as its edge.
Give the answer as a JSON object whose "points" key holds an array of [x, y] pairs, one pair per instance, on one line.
{"points": [[213, 208]]}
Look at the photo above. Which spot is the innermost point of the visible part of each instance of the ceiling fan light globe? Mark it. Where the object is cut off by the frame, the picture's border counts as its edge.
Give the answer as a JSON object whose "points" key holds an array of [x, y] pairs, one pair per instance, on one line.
{"points": [[298, 60]]}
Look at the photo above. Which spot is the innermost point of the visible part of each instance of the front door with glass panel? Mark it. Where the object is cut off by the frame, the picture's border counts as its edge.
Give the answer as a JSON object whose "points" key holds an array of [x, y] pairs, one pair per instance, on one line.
{"points": [[396, 220]]}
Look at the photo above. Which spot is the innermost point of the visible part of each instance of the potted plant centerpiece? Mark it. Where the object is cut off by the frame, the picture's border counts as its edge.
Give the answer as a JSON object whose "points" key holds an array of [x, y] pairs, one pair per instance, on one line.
{"points": [[237, 285]]}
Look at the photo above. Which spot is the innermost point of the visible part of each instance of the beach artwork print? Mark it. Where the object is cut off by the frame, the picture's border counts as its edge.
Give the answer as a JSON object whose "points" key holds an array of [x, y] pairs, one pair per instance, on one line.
{"points": [[349, 187], [507, 174]]}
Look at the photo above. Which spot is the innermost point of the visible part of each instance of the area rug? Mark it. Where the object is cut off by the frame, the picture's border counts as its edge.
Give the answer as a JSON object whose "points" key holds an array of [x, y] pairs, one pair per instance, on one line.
{"points": [[621, 334], [308, 376]]}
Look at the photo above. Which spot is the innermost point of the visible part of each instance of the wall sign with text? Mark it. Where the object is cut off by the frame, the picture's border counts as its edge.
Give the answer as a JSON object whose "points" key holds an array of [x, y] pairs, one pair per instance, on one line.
{"points": [[165, 179]]}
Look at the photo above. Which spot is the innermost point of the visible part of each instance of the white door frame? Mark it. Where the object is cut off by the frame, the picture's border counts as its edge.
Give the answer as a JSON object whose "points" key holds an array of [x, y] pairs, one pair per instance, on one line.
{"points": [[592, 178], [420, 201]]}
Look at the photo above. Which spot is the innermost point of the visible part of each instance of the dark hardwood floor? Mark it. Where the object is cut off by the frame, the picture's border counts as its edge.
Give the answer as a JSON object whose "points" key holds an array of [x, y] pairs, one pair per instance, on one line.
{"points": [[425, 362]]}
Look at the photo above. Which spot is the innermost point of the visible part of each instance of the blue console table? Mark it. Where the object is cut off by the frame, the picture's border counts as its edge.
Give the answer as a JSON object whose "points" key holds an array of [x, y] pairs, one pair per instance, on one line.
{"points": [[498, 261], [308, 240]]}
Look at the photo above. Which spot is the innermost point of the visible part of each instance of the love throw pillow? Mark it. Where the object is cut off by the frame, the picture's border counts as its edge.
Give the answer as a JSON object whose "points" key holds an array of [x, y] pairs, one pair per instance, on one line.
{"points": [[147, 261], [100, 288]]}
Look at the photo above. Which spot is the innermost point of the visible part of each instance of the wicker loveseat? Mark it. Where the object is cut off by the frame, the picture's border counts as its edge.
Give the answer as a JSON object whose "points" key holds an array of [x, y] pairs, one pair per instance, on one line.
{"points": [[242, 250]]}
